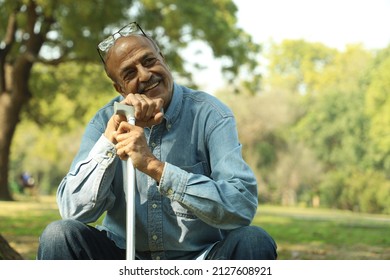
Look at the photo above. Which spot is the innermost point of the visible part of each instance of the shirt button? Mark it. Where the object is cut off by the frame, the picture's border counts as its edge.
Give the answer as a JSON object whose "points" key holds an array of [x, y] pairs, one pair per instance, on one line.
{"points": [[169, 126], [110, 154], [153, 144], [154, 237], [170, 191], [154, 206]]}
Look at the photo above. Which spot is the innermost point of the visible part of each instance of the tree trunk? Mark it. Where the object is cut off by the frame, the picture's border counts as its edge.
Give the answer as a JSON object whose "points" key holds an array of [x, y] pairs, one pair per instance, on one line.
{"points": [[9, 117], [10, 107], [7, 252], [14, 78]]}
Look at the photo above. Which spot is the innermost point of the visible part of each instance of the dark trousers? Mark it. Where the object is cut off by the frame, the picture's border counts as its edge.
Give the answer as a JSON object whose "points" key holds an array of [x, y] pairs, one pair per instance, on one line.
{"points": [[73, 240]]}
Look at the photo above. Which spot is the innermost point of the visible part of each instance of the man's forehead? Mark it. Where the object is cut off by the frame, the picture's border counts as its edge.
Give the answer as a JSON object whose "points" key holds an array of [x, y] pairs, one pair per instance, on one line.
{"points": [[125, 46], [127, 50], [131, 42]]}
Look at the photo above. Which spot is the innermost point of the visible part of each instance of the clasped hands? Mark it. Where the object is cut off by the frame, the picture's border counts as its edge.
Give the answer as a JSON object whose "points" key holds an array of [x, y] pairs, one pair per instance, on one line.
{"points": [[129, 140]]}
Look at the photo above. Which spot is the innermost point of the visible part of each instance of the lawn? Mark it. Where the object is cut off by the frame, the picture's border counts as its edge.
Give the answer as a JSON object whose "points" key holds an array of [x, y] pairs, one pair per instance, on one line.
{"points": [[301, 233], [324, 234]]}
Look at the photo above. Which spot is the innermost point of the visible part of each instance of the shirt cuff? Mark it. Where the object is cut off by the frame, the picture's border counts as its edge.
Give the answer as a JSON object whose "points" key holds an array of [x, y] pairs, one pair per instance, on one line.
{"points": [[173, 182], [103, 151]]}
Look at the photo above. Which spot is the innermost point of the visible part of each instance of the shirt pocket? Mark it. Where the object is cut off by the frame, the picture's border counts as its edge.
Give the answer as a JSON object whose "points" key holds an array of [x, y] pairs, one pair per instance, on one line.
{"points": [[174, 207], [198, 168]]}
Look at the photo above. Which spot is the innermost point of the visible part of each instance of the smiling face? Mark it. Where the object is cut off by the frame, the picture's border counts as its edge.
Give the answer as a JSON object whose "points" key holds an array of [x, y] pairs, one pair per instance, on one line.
{"points": [[136, 66]]}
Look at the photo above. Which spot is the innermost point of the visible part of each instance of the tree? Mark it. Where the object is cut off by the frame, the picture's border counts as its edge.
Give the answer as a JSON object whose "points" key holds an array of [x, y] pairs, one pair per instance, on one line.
{"points": [[335, 124], [296, 66], [378, 109], [77, 91], [284, 167], [56, 31], [7, 252]]}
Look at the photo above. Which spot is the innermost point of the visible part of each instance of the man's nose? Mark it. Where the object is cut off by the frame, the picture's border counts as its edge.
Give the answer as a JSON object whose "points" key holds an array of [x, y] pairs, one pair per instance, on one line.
{"points": [[143, 74]]}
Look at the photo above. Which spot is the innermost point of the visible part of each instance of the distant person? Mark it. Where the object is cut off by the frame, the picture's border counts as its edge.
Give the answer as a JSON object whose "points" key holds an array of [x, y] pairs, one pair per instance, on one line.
{"points": [[195, 195], [27, 183]]}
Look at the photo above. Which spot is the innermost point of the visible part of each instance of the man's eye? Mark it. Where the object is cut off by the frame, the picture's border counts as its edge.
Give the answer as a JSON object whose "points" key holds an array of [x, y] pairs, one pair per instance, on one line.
{"points": [[149, 61], [129, 75]]}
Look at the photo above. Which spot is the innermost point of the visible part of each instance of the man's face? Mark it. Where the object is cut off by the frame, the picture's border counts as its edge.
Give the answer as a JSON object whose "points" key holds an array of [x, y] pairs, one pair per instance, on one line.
{"points": [[136, 66]]}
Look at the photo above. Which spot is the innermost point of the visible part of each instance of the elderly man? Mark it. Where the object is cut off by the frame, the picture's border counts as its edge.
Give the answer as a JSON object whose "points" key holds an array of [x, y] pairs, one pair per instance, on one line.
{"points": [[195, 195]]}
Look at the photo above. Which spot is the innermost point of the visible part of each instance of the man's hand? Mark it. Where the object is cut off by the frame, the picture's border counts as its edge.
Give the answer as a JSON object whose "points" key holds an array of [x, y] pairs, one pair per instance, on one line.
{"points": [[112, 127], [147, 112], [131, 143]]}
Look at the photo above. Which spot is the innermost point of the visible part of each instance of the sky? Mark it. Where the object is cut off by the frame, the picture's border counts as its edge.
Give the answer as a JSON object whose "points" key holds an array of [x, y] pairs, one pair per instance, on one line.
{"points": [[336, 23]]}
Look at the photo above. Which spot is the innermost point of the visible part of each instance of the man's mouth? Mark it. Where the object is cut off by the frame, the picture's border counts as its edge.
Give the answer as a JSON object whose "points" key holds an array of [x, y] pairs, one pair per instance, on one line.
{"points": [[151, 86]]}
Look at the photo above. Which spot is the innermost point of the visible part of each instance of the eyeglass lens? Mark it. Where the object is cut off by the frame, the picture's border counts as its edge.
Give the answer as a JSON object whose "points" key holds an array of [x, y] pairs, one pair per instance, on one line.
{"points": [[124, 31]]}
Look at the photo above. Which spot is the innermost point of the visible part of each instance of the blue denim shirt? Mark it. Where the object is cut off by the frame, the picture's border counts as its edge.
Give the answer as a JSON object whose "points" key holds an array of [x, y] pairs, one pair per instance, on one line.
{"points": [[206, 187]]}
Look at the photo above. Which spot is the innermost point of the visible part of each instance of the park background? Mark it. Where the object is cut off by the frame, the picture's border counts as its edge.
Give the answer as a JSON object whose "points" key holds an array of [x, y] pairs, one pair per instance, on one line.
{"points": [[308, 81]]}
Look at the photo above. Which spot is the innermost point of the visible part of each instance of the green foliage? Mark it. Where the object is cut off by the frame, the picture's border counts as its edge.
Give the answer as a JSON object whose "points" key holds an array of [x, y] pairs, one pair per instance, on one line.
{"points": [[297, 65], [55, 122], [319, 128], [75, 28], [356, 190], [335, 127], [317, 135], [68, 95], [51, 32], [378, 110], [268, 153], [338, 125], [285, 168]]}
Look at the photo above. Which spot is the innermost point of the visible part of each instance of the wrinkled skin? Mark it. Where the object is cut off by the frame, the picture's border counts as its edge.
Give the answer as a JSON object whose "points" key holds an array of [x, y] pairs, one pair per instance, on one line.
{"points": [[142, 77]]}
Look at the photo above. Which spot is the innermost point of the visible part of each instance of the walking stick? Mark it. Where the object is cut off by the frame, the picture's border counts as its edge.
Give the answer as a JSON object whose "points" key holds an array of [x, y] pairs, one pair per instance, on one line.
{"points": [[128, 111]]}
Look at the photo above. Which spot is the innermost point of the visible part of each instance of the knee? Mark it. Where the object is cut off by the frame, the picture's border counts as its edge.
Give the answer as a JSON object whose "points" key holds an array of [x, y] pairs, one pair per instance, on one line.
{"points": [[257, 239], [58, 238], [257, 233], [58, 231]]}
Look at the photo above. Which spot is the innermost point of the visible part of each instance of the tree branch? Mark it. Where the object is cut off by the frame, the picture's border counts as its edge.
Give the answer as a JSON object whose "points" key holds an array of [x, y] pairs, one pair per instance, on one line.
{"points": [[33, 58], [9, 39]]}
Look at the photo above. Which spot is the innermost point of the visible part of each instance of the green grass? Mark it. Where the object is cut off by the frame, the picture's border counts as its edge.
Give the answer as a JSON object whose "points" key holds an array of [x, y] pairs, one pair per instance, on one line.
{"points": [[301, 233], [22, 221]]}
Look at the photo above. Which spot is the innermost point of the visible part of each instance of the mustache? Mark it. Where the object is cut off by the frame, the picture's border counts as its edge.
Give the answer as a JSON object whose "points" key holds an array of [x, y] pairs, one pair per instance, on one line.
{"points": [[143, 85]]}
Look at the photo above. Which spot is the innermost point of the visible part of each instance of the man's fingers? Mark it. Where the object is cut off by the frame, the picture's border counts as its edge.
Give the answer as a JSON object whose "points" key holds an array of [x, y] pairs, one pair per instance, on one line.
{"points": [[145, 108]]}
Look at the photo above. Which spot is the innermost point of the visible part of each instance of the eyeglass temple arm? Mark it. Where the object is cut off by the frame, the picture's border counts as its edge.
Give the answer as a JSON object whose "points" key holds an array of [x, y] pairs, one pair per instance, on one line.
{"points": [[100, 55]]}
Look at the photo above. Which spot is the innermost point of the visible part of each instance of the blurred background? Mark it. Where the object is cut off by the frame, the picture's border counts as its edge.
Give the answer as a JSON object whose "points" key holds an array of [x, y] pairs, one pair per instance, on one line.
{"points": [[308, 81]]}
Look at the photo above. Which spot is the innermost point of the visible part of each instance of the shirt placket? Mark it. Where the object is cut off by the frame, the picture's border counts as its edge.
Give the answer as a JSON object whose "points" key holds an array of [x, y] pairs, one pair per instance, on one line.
{"points": [[154, 202]]}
